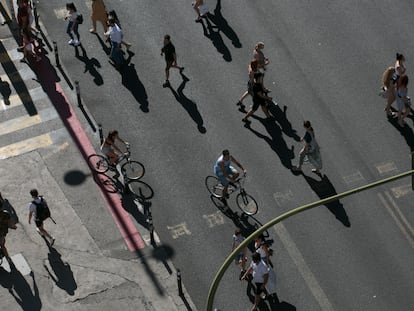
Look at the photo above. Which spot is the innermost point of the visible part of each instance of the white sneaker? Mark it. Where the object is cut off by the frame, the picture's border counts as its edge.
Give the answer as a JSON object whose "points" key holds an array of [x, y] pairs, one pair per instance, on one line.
{"points": [[76, 43], [71, 41]]}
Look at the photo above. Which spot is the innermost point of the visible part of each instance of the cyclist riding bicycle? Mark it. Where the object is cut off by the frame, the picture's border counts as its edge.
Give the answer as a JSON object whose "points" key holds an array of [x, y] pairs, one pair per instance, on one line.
{"points": [[225, 172], [109, 148]]}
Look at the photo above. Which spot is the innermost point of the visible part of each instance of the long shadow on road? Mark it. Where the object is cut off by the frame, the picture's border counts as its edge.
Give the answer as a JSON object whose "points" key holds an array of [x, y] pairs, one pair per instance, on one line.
{"points": [[90, 65], [188, 104], [325, 189], [274, 139], [132, 82], [222, 25]]}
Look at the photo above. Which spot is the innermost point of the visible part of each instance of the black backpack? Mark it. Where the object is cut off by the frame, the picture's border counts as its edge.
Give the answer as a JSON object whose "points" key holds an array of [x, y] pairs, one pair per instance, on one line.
{"points": [[79, 18], [42, 210]]}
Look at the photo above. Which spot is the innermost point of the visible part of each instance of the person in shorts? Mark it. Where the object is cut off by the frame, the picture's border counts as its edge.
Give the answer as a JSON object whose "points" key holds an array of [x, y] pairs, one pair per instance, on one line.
{"points": [[225, 172], [168, 50], [39, 223], [260, 273], [240, 259]]}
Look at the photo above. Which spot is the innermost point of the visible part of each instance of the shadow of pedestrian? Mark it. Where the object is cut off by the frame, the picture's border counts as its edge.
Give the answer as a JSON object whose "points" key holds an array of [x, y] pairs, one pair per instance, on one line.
{"points": [[274, 140], [6, 279], [103, 44], [62, 273], [90, 65], [5, 91], [22, 293], [405, 132], [281, 118], [16, 80], [188, 105], [132, 82], [324, 189], [222, 25], [216, 39]]}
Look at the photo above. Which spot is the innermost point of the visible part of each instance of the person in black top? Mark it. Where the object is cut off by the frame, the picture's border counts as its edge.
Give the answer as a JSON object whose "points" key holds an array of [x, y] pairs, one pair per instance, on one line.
{"points": [[170, 58], [259, 97]]}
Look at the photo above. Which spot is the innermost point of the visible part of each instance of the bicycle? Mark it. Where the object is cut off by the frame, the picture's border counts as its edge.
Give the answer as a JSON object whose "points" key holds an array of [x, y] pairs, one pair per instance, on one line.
{"points": [[245, 201], [131, 169]]}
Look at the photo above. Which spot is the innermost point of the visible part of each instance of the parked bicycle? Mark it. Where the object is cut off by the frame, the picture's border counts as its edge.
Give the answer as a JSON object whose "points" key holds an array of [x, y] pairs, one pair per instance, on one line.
{"points": [[245, 201], [131, 169]]}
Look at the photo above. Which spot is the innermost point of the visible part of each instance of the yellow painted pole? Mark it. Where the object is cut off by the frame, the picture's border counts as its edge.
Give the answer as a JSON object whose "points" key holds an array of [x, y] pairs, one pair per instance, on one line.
{"points": [[250, 238]]}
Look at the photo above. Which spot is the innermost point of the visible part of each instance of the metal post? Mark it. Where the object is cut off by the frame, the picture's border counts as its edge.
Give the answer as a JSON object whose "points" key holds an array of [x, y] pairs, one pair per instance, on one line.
{"points": [[78, 94], [100, 133], [55, 48], [412, 168], [151, 228], [35, 15], [180, 286]]}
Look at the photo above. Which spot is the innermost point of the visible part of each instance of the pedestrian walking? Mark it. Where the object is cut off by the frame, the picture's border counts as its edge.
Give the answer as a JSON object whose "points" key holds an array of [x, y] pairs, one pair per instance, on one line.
{"points": [[310, 150], [6, 223], [260, 273], [260, 97], [403, 101], [112, 14], [98, 15], [252, 69], [259, 56], [28, 47], [22, 19], [399, 67], [261, 247], [168, 50], [114, 34], [200, 8], [73, 18], [388, 89], [241, 258], [39, 210]]}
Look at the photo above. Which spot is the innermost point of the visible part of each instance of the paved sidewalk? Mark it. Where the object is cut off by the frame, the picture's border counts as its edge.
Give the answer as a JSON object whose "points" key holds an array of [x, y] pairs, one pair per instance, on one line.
{"points": [[44, 141]]}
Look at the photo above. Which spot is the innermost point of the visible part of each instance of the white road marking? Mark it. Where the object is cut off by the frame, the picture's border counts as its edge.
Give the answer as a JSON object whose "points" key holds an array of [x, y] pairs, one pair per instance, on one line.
{"points": [[303, 268], [395, 218]]}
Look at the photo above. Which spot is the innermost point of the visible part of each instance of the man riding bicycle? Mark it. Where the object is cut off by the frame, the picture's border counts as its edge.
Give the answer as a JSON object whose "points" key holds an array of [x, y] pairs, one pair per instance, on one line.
{"points": [[109, 149], [225, 172]]}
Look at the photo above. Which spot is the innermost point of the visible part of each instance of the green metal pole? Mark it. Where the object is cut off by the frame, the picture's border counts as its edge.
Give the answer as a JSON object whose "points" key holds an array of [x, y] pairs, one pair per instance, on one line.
{"points": [[412, 168], [250, 238]]}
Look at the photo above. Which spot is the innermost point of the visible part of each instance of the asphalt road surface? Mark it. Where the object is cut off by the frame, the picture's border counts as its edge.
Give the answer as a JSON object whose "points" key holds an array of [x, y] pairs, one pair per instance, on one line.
{"points": [[326, 62]]}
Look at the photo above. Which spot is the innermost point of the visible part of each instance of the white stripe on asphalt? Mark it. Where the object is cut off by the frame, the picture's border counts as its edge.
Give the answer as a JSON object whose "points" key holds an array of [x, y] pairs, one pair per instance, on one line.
{"points": [[303, 268]]}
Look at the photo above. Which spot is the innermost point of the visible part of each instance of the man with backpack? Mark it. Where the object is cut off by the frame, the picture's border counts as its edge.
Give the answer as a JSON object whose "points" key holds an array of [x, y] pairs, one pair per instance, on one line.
{"points": [[40, 210]]}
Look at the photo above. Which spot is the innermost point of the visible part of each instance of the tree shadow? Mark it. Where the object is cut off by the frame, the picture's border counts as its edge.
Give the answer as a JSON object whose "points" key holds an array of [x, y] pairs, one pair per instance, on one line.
{"points": [[90, 65], [5, 91], [215, 37], [405, 132], [62, 273], [324, 189], [274, 140], [22, 293], [188, 104], [132, 82], [222, 25]]}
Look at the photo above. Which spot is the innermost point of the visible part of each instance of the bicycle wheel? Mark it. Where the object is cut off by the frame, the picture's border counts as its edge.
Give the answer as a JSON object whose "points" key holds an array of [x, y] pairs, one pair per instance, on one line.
{"points": [[133, 170], [98, 163], [246, 203], [214, 187]]}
